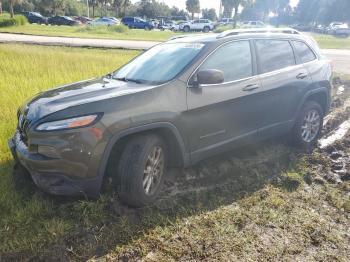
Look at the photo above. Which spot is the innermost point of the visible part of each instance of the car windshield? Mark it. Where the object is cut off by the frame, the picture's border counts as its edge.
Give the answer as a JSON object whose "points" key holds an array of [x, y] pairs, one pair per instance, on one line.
{"points": [[160, 64]]}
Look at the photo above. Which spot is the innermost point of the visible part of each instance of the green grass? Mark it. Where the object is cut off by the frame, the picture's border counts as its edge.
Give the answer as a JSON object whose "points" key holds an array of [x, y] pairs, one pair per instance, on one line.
{"points": [[88, 32], [28, 222], [332, 42], [242, 213]]}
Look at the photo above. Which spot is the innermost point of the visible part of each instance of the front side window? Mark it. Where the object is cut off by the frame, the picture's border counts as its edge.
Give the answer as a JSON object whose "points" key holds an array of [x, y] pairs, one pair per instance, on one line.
{"points": [[159, 64], [304, 52], [233, 59], [274, 55]]}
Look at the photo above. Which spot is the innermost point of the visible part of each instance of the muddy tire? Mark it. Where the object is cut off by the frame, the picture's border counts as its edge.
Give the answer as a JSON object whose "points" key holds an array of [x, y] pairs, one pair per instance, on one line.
{"points": [[308, 126], [141, 170]]}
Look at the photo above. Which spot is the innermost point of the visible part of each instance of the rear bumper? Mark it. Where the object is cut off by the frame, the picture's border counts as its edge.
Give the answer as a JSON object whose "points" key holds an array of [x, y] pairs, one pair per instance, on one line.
{"points": [[51, 182]]}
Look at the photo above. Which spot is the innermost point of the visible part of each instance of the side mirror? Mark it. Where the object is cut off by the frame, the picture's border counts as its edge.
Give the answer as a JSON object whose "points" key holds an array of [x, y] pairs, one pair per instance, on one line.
{"points": [[210, 77]]}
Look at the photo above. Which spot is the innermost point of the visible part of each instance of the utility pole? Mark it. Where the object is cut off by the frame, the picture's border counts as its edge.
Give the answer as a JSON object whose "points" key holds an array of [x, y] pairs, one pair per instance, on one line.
{"points": [[220, 9], [88, 8]]}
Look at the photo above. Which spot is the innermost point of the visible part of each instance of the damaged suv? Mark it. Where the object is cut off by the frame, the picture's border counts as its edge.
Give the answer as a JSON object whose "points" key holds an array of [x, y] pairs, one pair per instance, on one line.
{"points": [[174, 105]]}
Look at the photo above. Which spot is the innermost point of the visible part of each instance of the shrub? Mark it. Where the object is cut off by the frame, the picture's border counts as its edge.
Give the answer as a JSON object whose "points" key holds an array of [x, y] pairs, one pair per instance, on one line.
{"points": [[4, 22], [221, 28], [16, 20], [118, 28], [20, 20]]}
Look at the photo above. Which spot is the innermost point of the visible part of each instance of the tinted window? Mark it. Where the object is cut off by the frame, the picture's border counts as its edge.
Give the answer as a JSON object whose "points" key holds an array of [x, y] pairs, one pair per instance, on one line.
{"points": [[233, 59], [304, 52], [274, 55]]}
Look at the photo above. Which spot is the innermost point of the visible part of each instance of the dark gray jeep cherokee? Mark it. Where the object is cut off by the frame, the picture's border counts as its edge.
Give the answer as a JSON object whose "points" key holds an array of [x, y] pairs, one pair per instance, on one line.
{"points": [[174, 105]]}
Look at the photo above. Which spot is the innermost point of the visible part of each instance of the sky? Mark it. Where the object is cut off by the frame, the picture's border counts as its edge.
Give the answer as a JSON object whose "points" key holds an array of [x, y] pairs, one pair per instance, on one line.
{"points": [[204, 3]]}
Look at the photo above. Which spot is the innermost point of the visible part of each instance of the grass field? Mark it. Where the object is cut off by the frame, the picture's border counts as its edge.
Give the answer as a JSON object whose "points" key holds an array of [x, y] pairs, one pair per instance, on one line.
{"points": [[257, 211], [332, 42], [88, 32], [28, 222]]}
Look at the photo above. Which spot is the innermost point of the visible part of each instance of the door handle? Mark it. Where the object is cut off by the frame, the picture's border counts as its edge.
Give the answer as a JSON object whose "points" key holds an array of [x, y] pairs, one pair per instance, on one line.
{"points": [[301, 76], [251, 87]]}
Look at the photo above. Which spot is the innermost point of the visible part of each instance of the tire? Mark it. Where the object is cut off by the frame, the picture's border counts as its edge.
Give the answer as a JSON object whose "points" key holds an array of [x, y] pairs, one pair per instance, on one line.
{"points": [[132, 177], [147, 28], [308, 126], [186, 29], [206, 29]]}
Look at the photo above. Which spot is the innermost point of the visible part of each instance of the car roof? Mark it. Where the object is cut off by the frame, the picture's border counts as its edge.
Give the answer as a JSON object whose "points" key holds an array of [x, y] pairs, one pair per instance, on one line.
{"points": [[230, 35]]}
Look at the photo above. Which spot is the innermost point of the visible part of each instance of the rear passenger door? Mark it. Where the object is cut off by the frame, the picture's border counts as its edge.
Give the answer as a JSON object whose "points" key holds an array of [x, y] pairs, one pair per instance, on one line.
{"points": [[283, 84], [226, 114]]}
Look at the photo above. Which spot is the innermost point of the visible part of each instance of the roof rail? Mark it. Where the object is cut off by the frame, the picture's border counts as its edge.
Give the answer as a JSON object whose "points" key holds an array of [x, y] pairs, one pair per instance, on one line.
{"points": [[257, 30], [184, 36]]}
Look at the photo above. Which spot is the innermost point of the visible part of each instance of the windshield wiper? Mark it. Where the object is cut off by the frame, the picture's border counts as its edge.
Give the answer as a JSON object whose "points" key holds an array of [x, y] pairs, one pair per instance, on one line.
{"points": [[124, 79]]}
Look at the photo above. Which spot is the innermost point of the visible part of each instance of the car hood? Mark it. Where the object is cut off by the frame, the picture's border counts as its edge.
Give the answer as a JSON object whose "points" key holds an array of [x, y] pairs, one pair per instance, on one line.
{"points": [[77, 94]]}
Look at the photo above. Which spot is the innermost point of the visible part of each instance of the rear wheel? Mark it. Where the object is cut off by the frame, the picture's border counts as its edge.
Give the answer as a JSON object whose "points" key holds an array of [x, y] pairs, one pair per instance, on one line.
{"points": [[141, 170], [147, 28], [186, 29], [308, 126]]}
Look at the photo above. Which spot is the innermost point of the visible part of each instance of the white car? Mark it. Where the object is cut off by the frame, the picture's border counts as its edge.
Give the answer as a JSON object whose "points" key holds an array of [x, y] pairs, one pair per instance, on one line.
{"points": [[338, 29], [103, 21], [226, 21], [252, 24], [204, 25]]}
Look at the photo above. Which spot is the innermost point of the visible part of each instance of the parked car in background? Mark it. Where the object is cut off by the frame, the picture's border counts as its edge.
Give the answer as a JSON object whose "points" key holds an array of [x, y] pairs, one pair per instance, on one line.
{"points": [[103, 21], [35, 17], [137, 23], [204, 25], [226, 21], [302, 27], [62, 20], [114, 19], [82, 19], [320, 29], [179, 18], [252, 24], [338, 29], [168, 25]]}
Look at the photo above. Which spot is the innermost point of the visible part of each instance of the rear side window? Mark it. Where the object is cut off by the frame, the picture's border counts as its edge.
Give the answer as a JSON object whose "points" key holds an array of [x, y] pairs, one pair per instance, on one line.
{"points": [[274, 55], [233, 59], [304, 52]]}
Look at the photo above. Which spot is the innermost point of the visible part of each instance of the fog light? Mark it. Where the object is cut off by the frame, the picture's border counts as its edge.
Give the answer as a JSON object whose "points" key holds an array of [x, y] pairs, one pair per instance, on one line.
{"points": [[48, 151]]}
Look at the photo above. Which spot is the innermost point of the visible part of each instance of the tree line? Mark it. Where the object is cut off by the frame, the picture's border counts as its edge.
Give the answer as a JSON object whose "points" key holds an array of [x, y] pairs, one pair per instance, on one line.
{"points": [[275, 11]]}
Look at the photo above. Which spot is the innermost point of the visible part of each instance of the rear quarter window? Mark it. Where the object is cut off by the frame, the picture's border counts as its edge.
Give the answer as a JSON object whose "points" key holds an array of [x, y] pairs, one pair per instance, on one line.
{"points": [[274, 55], [304, 52]]}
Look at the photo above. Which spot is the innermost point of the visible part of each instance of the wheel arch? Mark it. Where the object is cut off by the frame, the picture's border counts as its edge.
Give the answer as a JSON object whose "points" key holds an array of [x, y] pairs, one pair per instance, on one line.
{"points": [[166, 130], [320, 95]]}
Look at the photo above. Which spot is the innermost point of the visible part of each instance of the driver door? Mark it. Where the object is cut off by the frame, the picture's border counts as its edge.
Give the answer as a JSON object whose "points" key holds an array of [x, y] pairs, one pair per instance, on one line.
{"points": [[222, 115]]}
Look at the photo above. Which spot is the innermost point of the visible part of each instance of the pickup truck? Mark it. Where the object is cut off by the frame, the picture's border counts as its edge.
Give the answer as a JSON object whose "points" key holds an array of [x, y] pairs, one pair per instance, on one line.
{"points": [[339, 29]]}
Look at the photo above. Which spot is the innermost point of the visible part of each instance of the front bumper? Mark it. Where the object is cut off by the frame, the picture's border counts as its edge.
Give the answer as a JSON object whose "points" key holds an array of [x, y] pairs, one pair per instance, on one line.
{"points": [[47, 179]]}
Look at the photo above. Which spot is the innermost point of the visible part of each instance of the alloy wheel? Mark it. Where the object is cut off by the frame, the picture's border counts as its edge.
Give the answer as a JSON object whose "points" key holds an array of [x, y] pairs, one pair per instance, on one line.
{"points": [[154, 170], [311, 126]]}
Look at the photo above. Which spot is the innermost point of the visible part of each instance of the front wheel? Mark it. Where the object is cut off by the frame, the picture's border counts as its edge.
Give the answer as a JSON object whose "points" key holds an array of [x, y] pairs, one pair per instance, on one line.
{"points": [[308, 126], [141, 170], [206, 29], [186, 29]]}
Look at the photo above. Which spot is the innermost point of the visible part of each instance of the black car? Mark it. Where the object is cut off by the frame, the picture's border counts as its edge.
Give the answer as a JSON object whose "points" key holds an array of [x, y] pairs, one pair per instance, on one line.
{"points": [[174, 105], [34, 17], [62, 20]]}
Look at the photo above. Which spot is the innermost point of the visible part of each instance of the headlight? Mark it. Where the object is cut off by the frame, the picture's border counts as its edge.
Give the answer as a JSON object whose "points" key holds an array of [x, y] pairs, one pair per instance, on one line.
{"points": [[67, 123]]}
